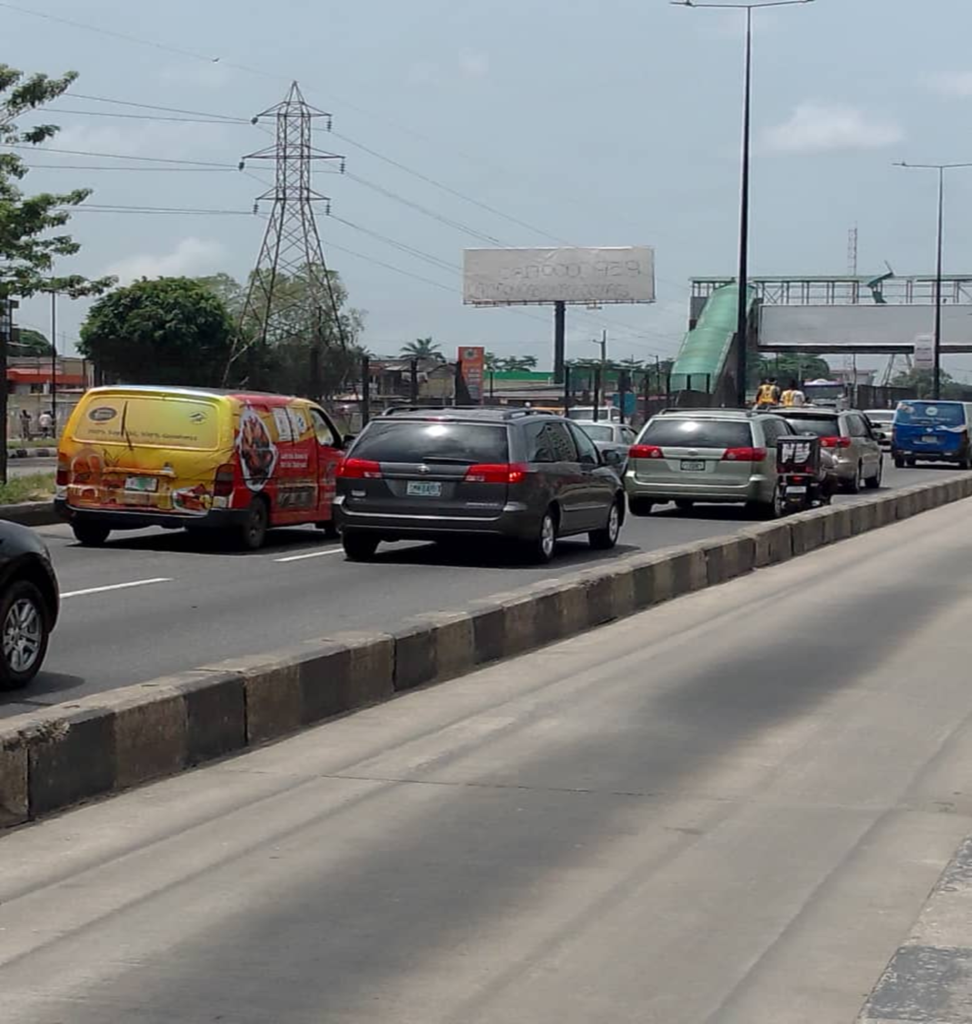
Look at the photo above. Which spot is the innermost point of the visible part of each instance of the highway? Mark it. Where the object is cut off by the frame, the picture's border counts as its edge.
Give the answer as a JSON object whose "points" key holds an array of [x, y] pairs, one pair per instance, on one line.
{"points": [[154, 603], [727, 810]]}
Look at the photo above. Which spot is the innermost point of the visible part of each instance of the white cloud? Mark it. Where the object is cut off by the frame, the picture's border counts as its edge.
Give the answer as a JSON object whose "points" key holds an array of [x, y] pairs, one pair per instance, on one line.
{"points": [[192, 257], [474, 65], [954, 83], [818, 127], [469, 66], [209, 74]]}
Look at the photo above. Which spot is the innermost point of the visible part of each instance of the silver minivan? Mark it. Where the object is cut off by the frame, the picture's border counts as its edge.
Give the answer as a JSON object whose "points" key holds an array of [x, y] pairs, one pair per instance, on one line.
{"points": [[710, 455]]}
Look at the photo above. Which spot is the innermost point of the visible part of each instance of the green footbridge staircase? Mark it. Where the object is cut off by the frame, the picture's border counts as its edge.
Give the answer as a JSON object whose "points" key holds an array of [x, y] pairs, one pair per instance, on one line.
{"points": [[704, 362]]}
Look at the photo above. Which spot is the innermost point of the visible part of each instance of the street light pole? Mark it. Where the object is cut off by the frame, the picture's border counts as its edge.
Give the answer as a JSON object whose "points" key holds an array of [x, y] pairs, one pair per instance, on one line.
{"points": [[742, 309], [940, 248]]}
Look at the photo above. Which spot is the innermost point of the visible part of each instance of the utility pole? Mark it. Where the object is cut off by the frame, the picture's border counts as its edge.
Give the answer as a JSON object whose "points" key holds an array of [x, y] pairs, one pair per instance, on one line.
{"points": [[290, 283], [54, 359], [560, 340]]}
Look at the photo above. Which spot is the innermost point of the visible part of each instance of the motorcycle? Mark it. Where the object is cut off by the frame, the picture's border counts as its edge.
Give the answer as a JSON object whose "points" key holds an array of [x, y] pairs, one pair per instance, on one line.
{"points": [[805, 474]]}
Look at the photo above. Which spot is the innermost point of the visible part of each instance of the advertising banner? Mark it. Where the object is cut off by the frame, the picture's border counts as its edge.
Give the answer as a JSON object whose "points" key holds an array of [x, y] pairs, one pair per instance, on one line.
{"points": [[473, 364], [924, 352]]}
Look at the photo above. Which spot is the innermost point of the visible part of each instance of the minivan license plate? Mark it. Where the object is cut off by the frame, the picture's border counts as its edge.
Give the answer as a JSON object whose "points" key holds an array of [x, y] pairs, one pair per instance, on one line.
{"points": [[693, 465], [141, 483], [424, 489], [929, 439]]}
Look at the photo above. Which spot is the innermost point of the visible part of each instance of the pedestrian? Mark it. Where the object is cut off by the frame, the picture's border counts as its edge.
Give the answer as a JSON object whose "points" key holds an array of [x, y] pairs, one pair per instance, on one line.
{"points": [[798, 397], [46, 423], [25, 424], [767, 395]]}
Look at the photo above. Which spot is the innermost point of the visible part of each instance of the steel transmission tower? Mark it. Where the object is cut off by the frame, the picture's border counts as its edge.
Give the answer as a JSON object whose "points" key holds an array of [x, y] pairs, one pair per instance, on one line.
{"points": [[289, 288]]}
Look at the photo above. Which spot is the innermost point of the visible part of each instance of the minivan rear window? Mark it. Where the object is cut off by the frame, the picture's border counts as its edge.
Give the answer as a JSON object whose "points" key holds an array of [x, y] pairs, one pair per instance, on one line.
{"points": [[947, 414], [822, 426], [390, 440], [149, 421], [697, 433]]}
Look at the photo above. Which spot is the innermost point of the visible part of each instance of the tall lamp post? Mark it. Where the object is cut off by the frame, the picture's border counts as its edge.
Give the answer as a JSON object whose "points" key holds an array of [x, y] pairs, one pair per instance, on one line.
{"points": [[941, 168], [742, 319]]}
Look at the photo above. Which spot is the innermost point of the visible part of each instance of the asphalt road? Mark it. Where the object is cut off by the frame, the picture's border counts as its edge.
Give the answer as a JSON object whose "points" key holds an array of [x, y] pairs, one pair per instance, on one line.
{"points": [[728, 810], [154, 603]]}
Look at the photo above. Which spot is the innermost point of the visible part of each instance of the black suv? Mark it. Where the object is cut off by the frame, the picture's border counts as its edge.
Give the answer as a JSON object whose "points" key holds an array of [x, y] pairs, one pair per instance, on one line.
{"points": [[438, 474]]}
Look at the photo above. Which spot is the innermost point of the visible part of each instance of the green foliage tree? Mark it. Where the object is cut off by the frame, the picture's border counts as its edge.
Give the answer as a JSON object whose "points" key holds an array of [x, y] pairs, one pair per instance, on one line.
{"points": [[798, 366], [29, 237], [168, 331], [32, 343], [921, 384], [424, 348], [513, 364]]}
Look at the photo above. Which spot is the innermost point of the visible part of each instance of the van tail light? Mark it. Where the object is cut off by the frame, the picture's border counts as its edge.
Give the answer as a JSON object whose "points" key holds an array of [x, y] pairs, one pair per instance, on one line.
{"points": [[63, 477], [496, 473], [645, 451], [225, 478], [835, 442], [358, 469], [744, 455]]}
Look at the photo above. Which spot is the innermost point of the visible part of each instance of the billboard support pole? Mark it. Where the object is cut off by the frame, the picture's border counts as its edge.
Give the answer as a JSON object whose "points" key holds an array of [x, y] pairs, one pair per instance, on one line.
{"points": [[366, 390], [597, 393], [567, 394], [560, 336]]}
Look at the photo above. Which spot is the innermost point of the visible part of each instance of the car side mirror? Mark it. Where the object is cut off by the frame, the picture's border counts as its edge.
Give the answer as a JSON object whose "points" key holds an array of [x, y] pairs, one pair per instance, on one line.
{"points": [[348, 438], [612, 457]]}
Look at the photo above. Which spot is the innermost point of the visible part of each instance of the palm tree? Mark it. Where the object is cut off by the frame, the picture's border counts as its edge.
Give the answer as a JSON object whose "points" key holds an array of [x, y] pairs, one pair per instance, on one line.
{"points": [[424, 348], [492, 362], [520, 363]]}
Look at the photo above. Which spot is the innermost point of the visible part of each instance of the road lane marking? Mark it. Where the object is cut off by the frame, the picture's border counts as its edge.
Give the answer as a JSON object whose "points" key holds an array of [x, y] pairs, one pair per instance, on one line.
{"points": [[116, 586], [313, 554]]}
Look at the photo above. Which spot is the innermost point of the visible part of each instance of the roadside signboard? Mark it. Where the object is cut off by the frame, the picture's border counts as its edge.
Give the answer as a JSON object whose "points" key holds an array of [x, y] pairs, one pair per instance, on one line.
{"points": [[472, 361]]}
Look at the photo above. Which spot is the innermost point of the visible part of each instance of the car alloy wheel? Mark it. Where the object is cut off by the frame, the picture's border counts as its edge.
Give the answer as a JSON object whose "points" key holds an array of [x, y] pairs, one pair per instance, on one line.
{"points": [[548, 537], [23, 635]]}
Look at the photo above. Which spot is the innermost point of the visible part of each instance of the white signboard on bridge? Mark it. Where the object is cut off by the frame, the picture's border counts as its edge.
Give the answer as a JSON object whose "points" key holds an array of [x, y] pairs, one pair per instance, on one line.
{"points": [[925, 352], [520, 277]]}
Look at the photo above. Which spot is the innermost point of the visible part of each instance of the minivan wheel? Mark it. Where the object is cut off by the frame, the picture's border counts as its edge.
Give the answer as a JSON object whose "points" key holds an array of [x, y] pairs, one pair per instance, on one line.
{"points": [[540, 549], [24, 634], [91, 535], [854, 486], [639, 506], [604, 540], [684, 504], [873, 483], [899, 463], [253, 529], [359, 547]]}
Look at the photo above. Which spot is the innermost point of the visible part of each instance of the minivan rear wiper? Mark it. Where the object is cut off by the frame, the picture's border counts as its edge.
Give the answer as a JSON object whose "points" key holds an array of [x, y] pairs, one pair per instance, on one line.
{"points": [[447, 458]]}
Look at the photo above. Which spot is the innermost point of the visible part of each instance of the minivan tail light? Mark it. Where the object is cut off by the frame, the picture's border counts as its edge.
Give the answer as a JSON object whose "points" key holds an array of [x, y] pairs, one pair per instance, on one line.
{"points": [[358, 469], [744, 455], [495, 473], [645, 451], [225, 478], [63, 477], [835, 442]]}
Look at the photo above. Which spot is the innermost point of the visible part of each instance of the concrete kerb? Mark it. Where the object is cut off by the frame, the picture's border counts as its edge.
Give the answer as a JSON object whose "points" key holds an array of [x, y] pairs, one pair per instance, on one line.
{"points": [[30, 513], [108, 742]]}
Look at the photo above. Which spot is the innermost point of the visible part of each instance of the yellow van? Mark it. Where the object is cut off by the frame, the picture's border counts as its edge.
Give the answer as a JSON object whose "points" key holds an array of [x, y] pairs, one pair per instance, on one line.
{"points": [[132, 457]]}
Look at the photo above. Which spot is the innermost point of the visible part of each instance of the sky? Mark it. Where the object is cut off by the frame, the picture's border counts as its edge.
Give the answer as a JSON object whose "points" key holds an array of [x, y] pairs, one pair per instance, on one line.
{"points": [[614, 122]]}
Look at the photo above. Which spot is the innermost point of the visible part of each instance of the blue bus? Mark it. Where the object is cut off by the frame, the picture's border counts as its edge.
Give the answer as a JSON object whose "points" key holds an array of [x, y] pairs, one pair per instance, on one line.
{"points": [[927, 431]]}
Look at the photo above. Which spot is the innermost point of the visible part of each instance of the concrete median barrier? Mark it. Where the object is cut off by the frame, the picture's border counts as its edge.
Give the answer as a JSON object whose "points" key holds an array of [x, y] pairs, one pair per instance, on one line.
{"points": [[30, 513], [109, 742]]}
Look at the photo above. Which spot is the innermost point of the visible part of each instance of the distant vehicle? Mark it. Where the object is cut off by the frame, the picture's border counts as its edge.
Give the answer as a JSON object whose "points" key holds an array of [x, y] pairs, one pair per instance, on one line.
{"points": [[827, 394], [197, 459], [705, 455], [445, 474], [882, 421], [605, 413], [29, 604], [850, 439], [613, 441], [927, 431]]}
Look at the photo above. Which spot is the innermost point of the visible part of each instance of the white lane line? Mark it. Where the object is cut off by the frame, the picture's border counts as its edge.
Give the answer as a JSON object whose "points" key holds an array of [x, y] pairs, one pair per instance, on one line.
{"points": [[116, 586], [313, 554]]}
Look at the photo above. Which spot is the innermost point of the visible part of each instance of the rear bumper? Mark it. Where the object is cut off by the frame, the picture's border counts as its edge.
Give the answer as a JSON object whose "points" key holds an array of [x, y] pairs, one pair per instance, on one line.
{"points": [[911, 453], [516, 522], [215, 519], [756, 489]]}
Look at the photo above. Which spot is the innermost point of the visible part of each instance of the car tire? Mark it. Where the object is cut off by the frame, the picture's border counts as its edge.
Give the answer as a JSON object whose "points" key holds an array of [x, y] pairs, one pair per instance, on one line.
{"points": [[899, 463], [359, 547], [684, 505], [854, 486], [604, 540], [24, 634], [540, 549], [252, 531], [640, 507], [329, 529], [90, 535], [873, 483]]}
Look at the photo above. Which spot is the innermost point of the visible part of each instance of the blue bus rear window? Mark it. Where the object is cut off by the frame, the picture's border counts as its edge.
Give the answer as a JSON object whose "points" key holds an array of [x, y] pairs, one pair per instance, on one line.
{"points": [[945, 414]]}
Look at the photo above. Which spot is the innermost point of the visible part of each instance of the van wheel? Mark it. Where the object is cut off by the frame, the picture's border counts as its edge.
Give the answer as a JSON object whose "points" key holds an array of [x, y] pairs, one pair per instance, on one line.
{"points": [[540, 549], [639, 507], [899, 463], [359, 547], [329, 529], [91, 535], [873, 483], [253, 529], [604, 540]]}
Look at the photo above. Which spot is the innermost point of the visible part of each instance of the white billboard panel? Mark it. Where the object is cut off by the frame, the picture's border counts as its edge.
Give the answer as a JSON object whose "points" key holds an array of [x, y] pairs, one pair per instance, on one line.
{"points": [[508, 277], [880, 329], [925, 352]]}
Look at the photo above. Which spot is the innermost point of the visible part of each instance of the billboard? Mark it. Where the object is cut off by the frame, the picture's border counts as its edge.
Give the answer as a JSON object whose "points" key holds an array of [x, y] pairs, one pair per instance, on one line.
{"points": [[925, 352], [472, 362], [514, 277], [879, 329]]}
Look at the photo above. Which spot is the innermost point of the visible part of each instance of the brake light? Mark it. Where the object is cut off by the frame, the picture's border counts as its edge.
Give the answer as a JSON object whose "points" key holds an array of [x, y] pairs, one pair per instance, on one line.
{"points": [[744, 455], [63, 477], [645, 451], [225, 478], [835, 442], [495, 473], [358, 469]]}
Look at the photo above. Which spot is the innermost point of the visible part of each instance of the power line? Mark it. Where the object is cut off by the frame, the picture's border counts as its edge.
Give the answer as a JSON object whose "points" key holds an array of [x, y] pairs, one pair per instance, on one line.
{"points": [[154, 106], [147, 117], [117, 167], [120, 156], [117, 208]]}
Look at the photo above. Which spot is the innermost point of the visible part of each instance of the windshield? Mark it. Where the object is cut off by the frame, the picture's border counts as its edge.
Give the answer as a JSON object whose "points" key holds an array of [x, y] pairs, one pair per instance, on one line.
{"points": [[697, 433], [822, 426], [598, 433], [390, 440], [945, 414], [152, 421], [880, 415]]}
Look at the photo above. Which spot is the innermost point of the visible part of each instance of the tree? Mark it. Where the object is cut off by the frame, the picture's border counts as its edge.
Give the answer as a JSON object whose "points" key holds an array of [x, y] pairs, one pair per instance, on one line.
{"points": [[921, 384], [424, 348], [27, 246], [514, 364], [798, 366], [32, 343], [168, 331], [492, 363]]}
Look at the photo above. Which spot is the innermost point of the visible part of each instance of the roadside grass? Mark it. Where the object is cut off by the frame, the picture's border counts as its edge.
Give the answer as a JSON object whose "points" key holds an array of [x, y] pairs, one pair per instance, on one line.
{"points": [[35, 487]]}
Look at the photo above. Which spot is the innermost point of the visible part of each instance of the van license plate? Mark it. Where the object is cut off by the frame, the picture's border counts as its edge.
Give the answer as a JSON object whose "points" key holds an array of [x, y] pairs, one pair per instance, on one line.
{"points": [[424, 489], [141, 483], [693, 465], [929, 439]]}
